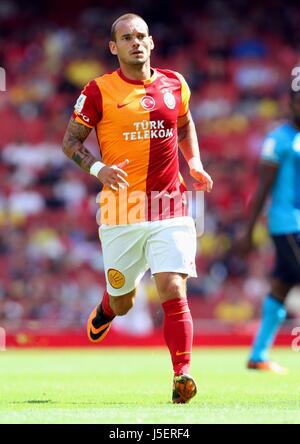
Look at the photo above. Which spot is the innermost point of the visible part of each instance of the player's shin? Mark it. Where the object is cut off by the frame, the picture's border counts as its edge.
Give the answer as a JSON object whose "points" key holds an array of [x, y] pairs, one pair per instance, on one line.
{"points": [[178, 333], [273, 315]]}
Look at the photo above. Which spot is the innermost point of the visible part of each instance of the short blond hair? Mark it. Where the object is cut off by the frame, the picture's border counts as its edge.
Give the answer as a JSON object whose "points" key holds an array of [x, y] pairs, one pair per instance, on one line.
{"points": [[121, 18]]}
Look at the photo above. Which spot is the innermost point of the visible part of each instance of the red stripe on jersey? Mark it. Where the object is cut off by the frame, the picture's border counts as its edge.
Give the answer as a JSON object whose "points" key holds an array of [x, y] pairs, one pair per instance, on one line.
{"points": [[163, 168]]}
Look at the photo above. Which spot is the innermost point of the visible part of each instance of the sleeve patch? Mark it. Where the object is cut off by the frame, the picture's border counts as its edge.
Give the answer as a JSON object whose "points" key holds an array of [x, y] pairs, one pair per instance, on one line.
{"points": [[80, 103]]}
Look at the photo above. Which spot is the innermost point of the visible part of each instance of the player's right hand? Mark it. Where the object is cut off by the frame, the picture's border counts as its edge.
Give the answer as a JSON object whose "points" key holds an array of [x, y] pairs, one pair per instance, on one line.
{"points": [[113, 176]]}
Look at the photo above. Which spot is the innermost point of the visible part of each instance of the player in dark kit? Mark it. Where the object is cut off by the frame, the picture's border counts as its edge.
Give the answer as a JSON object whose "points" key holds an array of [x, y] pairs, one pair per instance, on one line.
{"points": [[279, 177], [141, 114]]}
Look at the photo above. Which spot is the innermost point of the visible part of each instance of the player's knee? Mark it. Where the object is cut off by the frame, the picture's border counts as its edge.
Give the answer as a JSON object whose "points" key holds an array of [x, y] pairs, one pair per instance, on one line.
{"points": [[173, 289]]}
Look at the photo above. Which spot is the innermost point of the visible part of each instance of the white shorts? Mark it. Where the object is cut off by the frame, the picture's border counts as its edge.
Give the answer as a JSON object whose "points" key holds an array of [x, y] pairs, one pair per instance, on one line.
{"points": [[167, 245]]}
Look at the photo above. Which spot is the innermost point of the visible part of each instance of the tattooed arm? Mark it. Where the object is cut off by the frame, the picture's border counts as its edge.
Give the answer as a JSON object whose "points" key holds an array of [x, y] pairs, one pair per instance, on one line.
{"points": [[73, 147], [188, 144], [111, 175]]}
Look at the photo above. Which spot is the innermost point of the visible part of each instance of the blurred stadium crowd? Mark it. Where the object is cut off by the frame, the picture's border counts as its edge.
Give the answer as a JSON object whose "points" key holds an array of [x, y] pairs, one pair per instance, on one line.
{"points": [[237, 58]]}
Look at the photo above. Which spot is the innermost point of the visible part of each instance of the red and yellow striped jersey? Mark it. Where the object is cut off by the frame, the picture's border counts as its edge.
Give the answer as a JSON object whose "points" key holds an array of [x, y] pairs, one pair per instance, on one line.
{"points": [[137, 120]]}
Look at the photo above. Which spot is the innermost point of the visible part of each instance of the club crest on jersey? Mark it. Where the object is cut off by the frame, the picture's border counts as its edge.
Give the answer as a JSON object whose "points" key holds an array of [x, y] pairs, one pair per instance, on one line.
{"points": [[169, 100], [148, 103]]}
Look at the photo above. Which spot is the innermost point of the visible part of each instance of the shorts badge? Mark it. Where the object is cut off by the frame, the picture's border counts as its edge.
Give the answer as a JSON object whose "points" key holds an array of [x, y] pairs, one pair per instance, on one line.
{"points": [[115, 278]]}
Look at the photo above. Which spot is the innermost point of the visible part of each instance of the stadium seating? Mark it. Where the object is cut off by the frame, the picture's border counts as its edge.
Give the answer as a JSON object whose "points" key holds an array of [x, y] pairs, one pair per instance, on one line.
{"points": [[50, 261]]}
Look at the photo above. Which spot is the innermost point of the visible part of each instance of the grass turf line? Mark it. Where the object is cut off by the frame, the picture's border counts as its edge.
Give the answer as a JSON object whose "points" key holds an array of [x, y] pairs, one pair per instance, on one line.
{"points": [[133, 386]]}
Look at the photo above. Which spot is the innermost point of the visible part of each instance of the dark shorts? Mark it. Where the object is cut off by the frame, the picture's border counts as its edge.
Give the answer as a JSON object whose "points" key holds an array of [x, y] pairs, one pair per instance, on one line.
{"points": [[287, 265]]}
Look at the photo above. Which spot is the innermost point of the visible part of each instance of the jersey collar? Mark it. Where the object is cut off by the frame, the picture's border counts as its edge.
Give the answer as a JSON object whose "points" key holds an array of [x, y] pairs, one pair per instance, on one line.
{"points": [[138, 82]]}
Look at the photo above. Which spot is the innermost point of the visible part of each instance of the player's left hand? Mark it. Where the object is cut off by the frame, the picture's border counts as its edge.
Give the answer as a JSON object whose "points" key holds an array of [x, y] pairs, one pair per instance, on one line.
{"points": [[204, 181]]}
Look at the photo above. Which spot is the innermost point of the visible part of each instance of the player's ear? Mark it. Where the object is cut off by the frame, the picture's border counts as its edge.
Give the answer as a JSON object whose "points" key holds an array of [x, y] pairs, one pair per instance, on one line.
{"points": [[151, 42], [113, 47]]}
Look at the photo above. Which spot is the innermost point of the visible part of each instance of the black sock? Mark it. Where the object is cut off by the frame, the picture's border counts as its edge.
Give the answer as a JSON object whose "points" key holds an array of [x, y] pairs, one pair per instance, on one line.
{"points": [[100, 318]]}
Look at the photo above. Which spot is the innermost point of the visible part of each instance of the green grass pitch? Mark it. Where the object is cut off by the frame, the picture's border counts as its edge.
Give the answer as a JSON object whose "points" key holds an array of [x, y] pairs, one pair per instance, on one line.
{"points": [[133, 386]]}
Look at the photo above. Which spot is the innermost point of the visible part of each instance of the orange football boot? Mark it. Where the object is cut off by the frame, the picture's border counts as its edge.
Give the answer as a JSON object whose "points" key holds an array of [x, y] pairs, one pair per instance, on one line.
{"points": [[97, 334], [184, 389], [268, 366]]}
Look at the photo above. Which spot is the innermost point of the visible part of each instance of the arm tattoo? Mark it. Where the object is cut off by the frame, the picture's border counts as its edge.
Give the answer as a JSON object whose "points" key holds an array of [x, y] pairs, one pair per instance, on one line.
{"points": [[73, 147]]}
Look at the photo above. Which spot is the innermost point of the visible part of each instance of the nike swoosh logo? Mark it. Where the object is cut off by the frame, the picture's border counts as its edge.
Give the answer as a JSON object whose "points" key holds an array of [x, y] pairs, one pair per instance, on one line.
{"points": [[182, 353], [123, 104]]}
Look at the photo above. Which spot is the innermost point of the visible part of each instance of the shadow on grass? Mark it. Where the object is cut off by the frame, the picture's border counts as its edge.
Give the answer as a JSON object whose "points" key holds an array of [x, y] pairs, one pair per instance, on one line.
{"points": [[33, 401], [94, 404]]}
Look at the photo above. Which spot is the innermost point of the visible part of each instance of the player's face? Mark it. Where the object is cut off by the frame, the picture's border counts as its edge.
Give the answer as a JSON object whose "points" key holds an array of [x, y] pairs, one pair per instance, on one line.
{"points": [[295, 107], [133, 45]]}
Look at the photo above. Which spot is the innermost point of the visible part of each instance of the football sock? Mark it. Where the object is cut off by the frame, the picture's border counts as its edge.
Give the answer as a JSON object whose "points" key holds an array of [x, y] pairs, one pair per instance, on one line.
{"points": [[273, 314], [178, 333], [104, 312]]}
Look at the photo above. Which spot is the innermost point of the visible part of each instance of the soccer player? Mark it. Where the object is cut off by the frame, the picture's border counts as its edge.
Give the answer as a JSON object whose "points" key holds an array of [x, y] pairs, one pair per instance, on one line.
{"points": [[141, 114], [279, 177]]}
